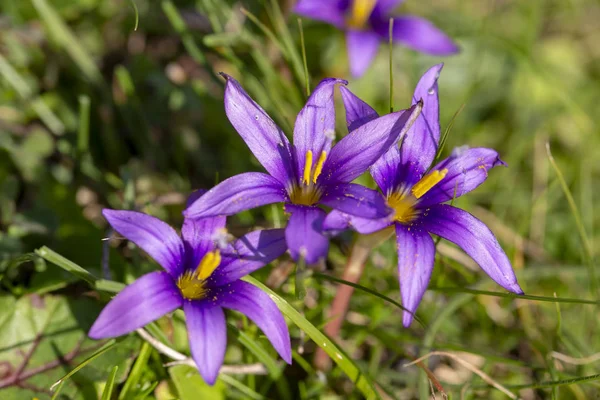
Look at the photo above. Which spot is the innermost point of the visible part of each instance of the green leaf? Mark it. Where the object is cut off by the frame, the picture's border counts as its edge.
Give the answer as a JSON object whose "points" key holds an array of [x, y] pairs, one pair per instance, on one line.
{"points": [[191, 386], [362, 381]]}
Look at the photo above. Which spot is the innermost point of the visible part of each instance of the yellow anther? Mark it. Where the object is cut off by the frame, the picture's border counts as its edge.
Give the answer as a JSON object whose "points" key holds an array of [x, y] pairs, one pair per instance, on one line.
{"points": [[307, 167], [209, 263], [403, 205], [361, 11], [427, 182], [319, 166]]}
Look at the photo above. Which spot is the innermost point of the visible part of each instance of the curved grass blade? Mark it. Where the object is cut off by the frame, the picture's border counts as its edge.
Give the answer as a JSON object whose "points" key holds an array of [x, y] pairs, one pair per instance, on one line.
{"points": [[514, 296], [107, 346], [110, 383], [362, 381], [562, 382], [245, 390], [371, 292]]}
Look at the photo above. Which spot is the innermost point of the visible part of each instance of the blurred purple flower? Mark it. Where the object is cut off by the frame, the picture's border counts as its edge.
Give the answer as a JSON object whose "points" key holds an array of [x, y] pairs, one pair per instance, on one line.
{"points": [[309, 173], [415, 194], [366, 23], [200, 278]]}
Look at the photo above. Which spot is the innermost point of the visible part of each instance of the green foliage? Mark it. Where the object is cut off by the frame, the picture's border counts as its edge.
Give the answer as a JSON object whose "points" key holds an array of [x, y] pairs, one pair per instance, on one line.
{"points": [[118, 104]]}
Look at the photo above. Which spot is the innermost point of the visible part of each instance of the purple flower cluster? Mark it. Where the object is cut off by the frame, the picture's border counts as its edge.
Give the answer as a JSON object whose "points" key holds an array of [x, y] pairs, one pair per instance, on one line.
{"points": [[313, 179]]}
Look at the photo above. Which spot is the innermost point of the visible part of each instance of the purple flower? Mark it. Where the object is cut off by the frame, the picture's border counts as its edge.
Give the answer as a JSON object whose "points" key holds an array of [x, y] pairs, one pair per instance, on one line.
{"points": [[201, 278], [416, 192], [366, 23], [309, 173]]}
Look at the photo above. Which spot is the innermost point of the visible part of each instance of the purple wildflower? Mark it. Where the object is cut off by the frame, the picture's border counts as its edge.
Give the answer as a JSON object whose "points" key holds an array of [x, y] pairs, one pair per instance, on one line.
{"points": [[201, 278], [366, 23], [308, 174], [415, 194]]}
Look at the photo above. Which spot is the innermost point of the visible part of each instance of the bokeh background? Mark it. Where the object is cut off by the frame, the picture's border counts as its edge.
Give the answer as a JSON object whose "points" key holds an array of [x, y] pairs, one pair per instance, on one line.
{"points": [[112, 103]]}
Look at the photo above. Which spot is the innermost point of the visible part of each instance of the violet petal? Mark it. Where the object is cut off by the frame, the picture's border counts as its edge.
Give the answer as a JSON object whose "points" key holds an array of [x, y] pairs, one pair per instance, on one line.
{"points": [[474, 238], [147, 299], [152, 235], [207, 335]]}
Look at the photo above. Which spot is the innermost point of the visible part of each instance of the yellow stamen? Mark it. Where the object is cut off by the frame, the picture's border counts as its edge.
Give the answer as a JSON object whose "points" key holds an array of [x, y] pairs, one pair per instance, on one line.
{"points": [[361, 11], [427, 182], [403, 205], [209, 263], [319, 166], [307, 167], [192, 283]]}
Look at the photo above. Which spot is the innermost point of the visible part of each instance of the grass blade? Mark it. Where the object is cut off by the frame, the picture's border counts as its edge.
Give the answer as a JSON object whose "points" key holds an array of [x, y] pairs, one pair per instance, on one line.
{"points": [[136, 371], [514, 296], [68, 265], [107, 346], [110, 383], [61, 33], [369, 291], [346, 364]]}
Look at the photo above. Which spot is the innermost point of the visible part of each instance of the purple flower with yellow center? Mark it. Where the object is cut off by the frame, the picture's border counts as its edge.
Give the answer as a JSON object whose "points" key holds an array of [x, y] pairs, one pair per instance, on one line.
{"points": [[199, 277], [416, 192], [366, 23], [310, 173]]}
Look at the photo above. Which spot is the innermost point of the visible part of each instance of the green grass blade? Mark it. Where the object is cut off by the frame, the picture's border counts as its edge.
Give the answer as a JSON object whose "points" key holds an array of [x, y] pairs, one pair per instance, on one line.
{"points": [[57, 391], [19, 84], [110, 384], [245, 390], [107, 346], [83, 133], [513, 296], [136, 371], [589, 253], [346, 364], [61, 33], [369, 291], [562, 382], [68, 265]]}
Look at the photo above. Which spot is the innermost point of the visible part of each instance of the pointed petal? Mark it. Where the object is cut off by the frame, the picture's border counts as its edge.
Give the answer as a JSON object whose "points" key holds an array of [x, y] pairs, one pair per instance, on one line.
{"points": [[355, 199], [207, 335], [418, 34], [199, 236], [315, 125], [258, 306], [331, 11], [475, 238], [358, 150], [405, 166], [467, 169], [152, 235], [265, 139], [358, 112], [304, 234], [416, 254], [238, 193], [421, 142], [249, 253], [362, 49], [145, 300]]}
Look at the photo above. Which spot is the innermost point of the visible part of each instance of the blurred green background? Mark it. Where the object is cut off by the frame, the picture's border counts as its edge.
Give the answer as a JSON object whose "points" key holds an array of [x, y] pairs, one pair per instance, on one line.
{"points": [[111, 103]]}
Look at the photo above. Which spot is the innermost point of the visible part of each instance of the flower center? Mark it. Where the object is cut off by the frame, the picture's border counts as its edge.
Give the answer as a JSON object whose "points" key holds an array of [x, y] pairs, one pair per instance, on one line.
{"points": [[360, 13], [403, 203], [192, 283], [307, 193]]}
